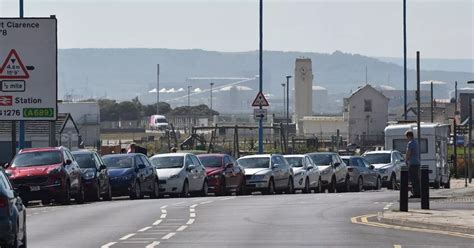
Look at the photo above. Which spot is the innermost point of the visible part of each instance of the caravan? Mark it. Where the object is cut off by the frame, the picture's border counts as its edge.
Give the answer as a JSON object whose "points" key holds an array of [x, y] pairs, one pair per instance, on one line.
{"points": [[433, 147]]}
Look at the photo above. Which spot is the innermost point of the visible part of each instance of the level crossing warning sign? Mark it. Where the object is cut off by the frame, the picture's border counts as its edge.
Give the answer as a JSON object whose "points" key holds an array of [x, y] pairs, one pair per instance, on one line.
{"points": [[260, 101]]}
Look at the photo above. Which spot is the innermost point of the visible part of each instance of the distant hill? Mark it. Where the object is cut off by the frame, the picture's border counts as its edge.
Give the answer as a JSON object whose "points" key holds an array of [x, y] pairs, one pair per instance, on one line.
{"points": [[125, 73], [454, 65]]}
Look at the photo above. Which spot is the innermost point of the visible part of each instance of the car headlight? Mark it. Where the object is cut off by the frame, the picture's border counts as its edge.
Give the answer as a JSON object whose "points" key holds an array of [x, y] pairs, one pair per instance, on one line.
{"points": [[174, 176], [55, 170], [89, 175], [259, 177], [324, 172]]}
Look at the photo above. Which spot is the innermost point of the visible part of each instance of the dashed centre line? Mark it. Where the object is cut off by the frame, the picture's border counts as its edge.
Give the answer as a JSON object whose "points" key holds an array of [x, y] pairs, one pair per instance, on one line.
{"points": [[144, 229], [193, 206], [163, 211], [181, 228], [153, 244], [190, 222], [163, 216], [157, 222], [108, 245], [169, 235], [127, 236], [163, 207], [206, 202], [192, 215]]}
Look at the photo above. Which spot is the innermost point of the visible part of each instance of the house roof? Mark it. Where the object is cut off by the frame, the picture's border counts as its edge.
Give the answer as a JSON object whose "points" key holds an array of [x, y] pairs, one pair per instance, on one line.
{"points": [[367, 86], [40, 127]]}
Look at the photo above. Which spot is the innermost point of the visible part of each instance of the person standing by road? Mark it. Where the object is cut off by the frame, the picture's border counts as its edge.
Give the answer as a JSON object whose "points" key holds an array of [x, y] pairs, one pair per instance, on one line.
{"points": [[413, 163]]}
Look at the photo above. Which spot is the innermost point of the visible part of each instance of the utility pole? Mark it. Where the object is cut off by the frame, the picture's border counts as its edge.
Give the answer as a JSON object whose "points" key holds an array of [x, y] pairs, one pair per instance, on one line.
{"points": [[157, 89], [455, 138], [21, 138], [432, 102], [210, 112], [405, 57], [260, 122], [287, 109], [284, 101], [468, 167]]}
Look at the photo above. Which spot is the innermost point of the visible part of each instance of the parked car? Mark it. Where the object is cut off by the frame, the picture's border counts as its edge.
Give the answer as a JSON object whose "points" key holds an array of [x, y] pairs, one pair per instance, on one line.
{"points": [[388, 163], [306, 174], [45, 174], [12, 216], [94, 175], [362, 174], [267, 173], [333, 171], [181, 174], [132, 175], [225, 175]]}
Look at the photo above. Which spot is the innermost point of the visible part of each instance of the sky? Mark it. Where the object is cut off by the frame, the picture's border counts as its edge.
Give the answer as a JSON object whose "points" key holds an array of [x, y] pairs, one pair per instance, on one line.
{"points": [[439, 29]]}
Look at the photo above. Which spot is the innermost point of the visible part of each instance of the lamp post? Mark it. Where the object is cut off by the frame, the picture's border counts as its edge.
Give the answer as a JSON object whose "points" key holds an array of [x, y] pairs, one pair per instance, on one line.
{"points": [[405, 58], [157, 89], [189, 99], [260, 77], [287, 107], [284, 101], [455, 138], [210, 112], [467, 168]]}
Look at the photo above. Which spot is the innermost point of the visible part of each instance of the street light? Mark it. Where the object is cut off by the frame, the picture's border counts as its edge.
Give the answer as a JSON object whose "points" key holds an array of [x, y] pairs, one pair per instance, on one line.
{"points": [[287, 108], [210, 112], [284, 101], [189, 99], [467, 168]]}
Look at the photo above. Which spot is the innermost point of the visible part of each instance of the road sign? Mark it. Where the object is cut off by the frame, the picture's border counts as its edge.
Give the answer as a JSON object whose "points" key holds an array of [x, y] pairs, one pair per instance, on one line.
{"points": [[260, 113], [260, 101], [28, 68]]}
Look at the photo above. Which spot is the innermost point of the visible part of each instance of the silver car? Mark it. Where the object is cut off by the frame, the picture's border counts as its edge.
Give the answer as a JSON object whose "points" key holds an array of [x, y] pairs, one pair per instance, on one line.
{"points": [[388, 164], [180, 174], [306, 174], [267, 173], [333, 171]]}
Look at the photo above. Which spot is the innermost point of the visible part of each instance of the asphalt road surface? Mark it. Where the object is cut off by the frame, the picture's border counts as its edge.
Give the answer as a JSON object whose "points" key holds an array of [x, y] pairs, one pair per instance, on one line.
{"points": [[300, 220]]}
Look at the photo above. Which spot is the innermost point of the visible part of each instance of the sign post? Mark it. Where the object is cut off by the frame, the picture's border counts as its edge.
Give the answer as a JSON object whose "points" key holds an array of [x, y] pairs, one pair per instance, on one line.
{"points": [[28, 69], [261, 114]]}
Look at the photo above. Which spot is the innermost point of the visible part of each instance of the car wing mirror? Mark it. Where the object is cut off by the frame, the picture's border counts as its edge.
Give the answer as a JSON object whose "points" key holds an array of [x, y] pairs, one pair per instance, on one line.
{"points": [[5, 165], [68, 162], [310, 167], [191, 167], [337, 164], [229, 166], [141, 166], [371, 167], [274, 166], [102, 167]]}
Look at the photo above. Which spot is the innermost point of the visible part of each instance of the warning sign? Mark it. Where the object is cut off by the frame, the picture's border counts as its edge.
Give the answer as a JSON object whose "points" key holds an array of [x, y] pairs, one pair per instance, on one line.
{"points": [[260, 101], [13, 68]]}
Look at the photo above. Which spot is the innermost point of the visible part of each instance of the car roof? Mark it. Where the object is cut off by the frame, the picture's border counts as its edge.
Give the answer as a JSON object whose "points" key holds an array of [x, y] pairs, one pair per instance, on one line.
{"points": [[294, 156], [349, 157], [173, 154], [122, 155], [82, 152], [212, 155], [380, 152], [323, 153], [259, 156], [42, 149]]}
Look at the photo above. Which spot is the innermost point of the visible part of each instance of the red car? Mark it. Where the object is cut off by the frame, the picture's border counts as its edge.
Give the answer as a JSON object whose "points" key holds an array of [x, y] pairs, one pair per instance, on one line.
{"points": [[46, 174], [224, 174]]}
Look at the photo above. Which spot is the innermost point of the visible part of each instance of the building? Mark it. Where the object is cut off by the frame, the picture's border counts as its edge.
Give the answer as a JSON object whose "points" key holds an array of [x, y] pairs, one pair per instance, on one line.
{"points": [[303, 91], [320, 100], [443, 111], [87, 118], [367, 110], [325, 127]]}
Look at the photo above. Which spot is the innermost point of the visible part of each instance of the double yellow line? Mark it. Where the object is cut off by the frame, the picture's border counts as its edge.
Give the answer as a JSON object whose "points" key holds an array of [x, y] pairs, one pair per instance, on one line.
{"points": [[364, 220]]}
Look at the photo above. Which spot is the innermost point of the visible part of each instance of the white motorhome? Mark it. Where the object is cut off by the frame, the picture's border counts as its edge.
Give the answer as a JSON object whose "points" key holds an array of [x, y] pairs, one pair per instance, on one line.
{"points": [[158, 122], [433, 147]]}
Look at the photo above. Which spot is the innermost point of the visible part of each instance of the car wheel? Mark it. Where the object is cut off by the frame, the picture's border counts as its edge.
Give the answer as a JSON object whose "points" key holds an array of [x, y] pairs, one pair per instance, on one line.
{"points": [[80, 197], [156, 190], [290, 189], [392, 183], [205, 189], [378, 185], [306, 188], [108, 195], [136, 192], [271, 188], [437, 184], [347, 184], [360, 184], [448, 184], [332, 186], [24, 240], [97, 192], [185, 190], [319, 189], [66, 197], [222, 188], [242, 189], [45, 202]]}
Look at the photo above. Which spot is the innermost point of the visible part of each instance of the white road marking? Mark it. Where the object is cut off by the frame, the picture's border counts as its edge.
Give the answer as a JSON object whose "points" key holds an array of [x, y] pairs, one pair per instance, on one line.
{"points": [[108, 245], [157, 222], [193, 206], [135, 242], [192, 215], [228, 198], [169, 235], [192, 210], [153, 244], [144, 229], [190, 221], [163, 216], [206, 202], [178, 203], [127, 236], [142, 238], [397, 246], [163, 211], [387, 207], [163, 207], [181, 228]]}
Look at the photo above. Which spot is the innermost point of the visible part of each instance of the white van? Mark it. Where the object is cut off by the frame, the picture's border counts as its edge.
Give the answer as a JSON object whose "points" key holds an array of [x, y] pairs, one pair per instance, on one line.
{"points": [[158, 122], [433, 147]]}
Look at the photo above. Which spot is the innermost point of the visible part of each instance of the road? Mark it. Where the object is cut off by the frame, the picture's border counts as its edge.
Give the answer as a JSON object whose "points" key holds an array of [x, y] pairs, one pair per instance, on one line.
{"points": [[300, 220]]}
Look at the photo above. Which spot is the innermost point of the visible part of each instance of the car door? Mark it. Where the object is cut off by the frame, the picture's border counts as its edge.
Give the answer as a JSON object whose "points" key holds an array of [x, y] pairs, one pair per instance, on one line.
{"points": [[99, 173], [372, 174], [360, 166], [238, 171], [313, 174], [17, 202], [277, 172], [286, 170], [200, 172], [192, 173], [339, 170], [75, 175], [140, 172], [103, 174], [229, 173], [401, 162]]}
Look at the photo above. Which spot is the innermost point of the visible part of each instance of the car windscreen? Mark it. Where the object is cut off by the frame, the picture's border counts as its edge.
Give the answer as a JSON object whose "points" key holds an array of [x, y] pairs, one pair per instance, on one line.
{"points": [[295, 161], [167, 162], [37, 158], [377, 158], [210, 161], [84, 160], [118, 161], [321, 159], [254, 162]]}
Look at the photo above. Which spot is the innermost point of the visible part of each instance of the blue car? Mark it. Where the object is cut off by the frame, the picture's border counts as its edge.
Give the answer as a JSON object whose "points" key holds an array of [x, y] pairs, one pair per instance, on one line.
{"points": [[132, 175], [12, 215]]}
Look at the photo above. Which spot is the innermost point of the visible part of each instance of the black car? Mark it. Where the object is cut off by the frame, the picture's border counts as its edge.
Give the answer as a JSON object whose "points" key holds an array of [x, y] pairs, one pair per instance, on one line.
{"points": [[132, 174], [94, 175], [12, 215]]}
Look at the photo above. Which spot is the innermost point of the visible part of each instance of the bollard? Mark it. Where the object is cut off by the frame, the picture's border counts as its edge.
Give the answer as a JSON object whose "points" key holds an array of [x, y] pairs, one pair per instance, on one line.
{"points": [[425, 187], [404, 189]]}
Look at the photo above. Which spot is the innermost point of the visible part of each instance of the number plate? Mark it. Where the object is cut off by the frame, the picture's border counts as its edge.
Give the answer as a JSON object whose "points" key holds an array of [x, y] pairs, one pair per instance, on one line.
{"points": [[34, 188]]}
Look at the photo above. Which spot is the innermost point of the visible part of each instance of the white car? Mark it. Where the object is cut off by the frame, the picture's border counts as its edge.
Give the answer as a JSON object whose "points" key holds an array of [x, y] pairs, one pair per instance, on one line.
{"points": [[333, 171], [180, 174], [388, 164], [306, 174]]}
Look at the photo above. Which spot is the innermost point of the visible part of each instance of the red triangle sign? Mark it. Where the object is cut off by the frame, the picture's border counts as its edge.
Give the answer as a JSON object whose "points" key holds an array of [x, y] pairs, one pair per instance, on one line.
{"points": [[13, 68], [260, 101]]}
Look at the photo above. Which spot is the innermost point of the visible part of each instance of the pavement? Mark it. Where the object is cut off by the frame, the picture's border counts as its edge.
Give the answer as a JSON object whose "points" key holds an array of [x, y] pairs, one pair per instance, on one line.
{"points": [[298, 220], [451, 211]]}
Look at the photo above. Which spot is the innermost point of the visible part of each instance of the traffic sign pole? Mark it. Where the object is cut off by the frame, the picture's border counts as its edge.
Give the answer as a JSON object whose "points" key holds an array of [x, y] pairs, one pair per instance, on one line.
{"points": [[21, 138], [260, 122]]}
